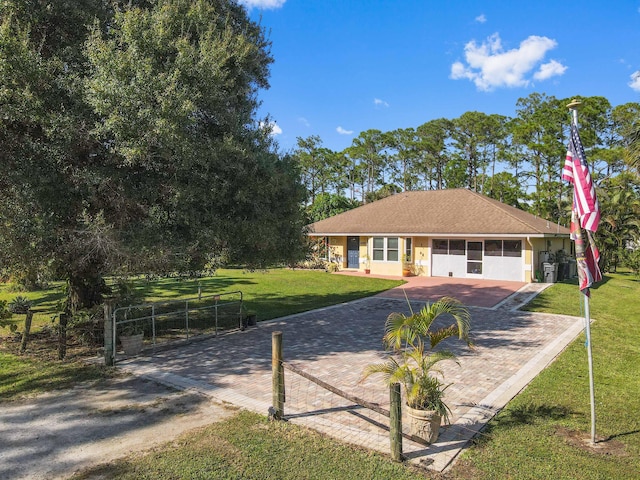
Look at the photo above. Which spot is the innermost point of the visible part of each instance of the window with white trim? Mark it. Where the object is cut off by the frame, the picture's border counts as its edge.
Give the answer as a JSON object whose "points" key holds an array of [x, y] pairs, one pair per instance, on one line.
{"points": [[386, 249], [378, 248]]}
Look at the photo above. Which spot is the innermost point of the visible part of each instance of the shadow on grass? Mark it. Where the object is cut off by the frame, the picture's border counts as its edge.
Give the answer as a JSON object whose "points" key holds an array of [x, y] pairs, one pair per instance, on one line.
{"points": [[168, 288], [574, 281], [527, 414], [624, 434]]}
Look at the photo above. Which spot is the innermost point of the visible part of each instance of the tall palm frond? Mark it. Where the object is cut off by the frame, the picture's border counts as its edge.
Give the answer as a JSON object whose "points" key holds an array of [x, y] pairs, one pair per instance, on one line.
{"points": [[446, 305], [402, 331]]}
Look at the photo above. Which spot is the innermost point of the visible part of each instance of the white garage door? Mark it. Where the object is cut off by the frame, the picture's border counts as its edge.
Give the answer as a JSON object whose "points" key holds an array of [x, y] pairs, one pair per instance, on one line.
{"points": [[494, 259]]}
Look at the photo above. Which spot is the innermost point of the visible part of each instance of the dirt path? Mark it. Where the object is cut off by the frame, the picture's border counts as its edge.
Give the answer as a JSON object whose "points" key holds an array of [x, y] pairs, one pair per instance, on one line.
{"points": [[56, 434]]}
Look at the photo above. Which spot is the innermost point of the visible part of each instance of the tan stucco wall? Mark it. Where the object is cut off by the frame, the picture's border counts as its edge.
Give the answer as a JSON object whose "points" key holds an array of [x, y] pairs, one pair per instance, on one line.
{"points": [[364, 249], [421, 255], [528, 260], [338, 249]]}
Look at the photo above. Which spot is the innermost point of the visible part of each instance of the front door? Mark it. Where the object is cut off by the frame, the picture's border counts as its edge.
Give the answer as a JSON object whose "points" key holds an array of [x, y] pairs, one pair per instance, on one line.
{"points": [[353, 252], [474, 259]]}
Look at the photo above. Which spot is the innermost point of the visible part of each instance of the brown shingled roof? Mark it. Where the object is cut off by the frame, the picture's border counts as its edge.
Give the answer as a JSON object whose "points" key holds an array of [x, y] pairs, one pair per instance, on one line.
{"points": [[455, 211]]}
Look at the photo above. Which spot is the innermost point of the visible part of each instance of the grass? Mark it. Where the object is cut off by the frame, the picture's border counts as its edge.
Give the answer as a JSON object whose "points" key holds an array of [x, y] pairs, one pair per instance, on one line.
{"points": [[44, 300], [247, 446], [544, 431], [44, 303], [271, 293], [540, 434], [24, 376]]}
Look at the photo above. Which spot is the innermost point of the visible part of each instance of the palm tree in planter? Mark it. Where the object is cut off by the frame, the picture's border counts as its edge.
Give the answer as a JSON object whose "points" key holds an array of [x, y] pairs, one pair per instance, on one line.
{"points": [[415, 363]]}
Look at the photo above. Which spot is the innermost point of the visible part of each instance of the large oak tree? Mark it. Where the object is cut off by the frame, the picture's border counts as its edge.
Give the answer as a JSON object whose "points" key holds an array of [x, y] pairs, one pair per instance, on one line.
{"points": [[129, 141]]}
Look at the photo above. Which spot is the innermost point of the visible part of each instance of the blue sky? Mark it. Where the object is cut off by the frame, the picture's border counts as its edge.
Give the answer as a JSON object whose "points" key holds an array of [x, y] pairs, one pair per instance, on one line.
{"points": [[342, 67]]}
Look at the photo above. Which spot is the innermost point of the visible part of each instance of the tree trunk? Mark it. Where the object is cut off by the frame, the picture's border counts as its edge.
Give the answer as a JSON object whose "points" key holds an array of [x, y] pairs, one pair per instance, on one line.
{"points": [[86, 289]]}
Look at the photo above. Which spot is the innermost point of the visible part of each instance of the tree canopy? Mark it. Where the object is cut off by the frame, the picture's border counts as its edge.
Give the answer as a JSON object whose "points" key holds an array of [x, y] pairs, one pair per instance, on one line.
{"points": [[130, 143], [515, 160]]}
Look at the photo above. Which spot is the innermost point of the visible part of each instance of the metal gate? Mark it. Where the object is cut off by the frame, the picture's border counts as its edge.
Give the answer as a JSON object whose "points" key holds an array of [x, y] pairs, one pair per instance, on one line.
{"points": [[136, 327]]}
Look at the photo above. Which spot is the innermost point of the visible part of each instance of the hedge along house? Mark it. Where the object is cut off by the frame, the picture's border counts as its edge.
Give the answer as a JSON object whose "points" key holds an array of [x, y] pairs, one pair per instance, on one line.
{"points": [[443, 233]]}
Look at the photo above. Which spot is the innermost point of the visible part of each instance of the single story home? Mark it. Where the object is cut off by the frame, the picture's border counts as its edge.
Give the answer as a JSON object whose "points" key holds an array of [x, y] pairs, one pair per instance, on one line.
{"points": [[444, 233]]}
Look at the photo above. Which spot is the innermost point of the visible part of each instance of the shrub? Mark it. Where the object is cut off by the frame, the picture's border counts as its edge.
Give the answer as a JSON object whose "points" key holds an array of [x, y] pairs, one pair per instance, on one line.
{"points": [[5, 315], [20, 305]]}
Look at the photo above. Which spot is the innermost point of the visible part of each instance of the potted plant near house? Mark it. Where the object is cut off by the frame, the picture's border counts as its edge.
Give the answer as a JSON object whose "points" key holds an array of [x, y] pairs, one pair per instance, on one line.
{"points": [[367, 264], [131, 337], [407, 267], [414, 362]]}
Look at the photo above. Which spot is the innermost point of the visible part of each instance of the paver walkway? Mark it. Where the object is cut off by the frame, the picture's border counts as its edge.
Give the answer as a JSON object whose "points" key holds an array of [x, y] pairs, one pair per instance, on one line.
{"points": [[336, 343]]}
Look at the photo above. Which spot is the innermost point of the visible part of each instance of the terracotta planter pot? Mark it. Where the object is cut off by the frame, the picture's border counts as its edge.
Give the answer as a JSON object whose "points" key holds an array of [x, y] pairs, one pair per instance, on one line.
{"points": [[424, 424], [367, 271], [132, 344]]}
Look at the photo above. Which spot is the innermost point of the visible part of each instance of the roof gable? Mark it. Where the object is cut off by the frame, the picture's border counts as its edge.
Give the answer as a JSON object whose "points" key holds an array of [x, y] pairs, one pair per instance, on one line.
{"points": [[433, 212]]}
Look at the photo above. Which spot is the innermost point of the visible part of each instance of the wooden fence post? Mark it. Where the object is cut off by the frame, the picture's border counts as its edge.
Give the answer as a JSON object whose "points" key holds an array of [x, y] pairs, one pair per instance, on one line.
{"points": [[277, 371], [62, 336], [109, 347], [395, 422], [27, 329]]}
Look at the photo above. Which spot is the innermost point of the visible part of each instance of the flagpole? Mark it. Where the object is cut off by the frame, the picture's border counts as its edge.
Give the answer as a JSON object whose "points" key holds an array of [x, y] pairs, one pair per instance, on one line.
{"points": [[579, 244]]}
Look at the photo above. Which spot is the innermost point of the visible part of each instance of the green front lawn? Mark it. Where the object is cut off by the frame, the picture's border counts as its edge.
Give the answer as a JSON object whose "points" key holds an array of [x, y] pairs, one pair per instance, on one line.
{"points": [[272, 293], [544, 431]]}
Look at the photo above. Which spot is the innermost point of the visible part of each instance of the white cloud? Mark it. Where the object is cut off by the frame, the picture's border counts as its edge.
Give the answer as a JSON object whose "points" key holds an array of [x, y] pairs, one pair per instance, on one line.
{"points": [[304, 121], [489, 66], [458, 70], [548, 70], [273, 128], [342, 131], [380, 103], [481, 18], [263, 4], [635, 81]]}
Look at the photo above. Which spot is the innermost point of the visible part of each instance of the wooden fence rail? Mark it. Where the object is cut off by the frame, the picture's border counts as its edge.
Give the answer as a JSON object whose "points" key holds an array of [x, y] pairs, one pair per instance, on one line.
{"points": [[278, 365]]}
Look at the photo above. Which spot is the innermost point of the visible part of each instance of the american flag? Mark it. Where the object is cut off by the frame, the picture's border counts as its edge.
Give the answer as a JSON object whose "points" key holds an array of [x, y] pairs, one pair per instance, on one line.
{"points": [[585, 207], [587, 257], [576, 171]]}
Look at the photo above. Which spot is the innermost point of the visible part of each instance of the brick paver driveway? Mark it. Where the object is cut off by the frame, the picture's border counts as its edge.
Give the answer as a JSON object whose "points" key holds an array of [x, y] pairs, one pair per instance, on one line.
{"points": [[336, 343], [475, 292]]}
